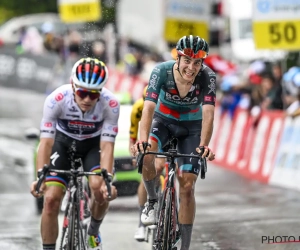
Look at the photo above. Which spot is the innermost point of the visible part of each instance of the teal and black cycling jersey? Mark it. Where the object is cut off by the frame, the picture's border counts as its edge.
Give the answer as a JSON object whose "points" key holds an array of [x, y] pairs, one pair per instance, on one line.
{"points": [[162, 90]]}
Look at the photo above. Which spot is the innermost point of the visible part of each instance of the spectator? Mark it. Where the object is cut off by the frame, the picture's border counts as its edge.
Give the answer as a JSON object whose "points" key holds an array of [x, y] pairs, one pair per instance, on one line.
{"points": [[32, 41], [98, 50], [73, 40], [294, 109], [272, 93], [289, 84]]}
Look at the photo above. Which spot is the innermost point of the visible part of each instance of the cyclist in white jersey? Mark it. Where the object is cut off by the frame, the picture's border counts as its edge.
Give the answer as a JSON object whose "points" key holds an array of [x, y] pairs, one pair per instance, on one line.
{"points": [[78, 119]]}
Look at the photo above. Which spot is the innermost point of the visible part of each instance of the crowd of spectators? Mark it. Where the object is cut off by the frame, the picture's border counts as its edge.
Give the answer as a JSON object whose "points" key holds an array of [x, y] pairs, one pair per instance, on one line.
{"points": [[261, 86]]}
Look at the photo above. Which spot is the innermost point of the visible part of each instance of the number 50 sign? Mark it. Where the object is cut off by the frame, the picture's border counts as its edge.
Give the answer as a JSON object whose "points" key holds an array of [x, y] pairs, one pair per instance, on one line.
{"points": [[276, 24]]}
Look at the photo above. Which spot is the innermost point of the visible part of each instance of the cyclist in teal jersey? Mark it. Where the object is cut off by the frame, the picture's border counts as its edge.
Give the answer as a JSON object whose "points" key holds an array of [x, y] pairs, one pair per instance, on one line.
{"points": [[179, 102]]}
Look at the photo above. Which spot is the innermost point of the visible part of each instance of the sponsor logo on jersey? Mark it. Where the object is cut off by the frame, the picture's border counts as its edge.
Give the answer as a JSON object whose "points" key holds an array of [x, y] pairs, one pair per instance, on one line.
{"points": [[81, 125], [59, 97], [207, 98], [56, 99], [48, 124], [73, 109], [113, 103], [109, 135], [106, 97], [178, 100], [212, 86], [153, 81], [47, 131], [115, 110], [111, 128], [72, 115], [154, 95], [156, 70], [154, 130]]}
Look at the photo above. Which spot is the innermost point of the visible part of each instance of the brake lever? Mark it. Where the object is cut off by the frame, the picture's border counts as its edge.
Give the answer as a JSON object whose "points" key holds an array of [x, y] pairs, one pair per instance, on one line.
{"points": [[139, 162]]}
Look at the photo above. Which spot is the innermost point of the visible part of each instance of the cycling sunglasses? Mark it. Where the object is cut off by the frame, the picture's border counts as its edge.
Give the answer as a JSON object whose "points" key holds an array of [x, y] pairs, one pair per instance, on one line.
{"points": [[83, 93], [201, 54]]}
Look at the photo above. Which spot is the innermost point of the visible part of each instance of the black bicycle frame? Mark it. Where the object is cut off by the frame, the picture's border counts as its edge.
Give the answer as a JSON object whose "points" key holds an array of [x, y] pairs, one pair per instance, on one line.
{"points": [[74, 204]]}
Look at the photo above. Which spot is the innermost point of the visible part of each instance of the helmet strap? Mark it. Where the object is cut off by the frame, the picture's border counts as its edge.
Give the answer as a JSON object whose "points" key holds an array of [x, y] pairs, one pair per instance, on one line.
{"points": [[178, 66]]}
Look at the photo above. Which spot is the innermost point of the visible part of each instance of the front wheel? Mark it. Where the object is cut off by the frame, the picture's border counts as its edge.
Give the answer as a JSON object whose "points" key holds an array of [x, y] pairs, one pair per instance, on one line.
{"points": [[68, 231], [163, 237]]}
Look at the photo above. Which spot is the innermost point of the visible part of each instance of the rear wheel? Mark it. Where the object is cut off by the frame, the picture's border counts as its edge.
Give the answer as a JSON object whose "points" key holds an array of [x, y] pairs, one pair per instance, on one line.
{"points": [[71, 231]]}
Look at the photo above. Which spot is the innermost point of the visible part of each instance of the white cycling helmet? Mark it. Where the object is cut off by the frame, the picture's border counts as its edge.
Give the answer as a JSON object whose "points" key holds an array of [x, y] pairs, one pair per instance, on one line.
{"points": [[89, 73]]}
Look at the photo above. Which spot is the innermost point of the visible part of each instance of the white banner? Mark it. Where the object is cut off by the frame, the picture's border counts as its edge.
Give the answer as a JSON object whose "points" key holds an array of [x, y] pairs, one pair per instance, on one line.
{"points": [[276, 10]]}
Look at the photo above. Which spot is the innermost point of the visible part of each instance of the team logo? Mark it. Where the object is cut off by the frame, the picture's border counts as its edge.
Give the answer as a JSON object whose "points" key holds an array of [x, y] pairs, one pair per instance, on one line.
{"points": [[59, 97], [153, 82], [212, 86], [48, 124], [113, 103]]}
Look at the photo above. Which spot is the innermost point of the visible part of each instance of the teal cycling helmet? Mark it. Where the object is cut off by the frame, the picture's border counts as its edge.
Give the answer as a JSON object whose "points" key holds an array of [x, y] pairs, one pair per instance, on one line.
{"points": [[89, 73], [192, 46]]}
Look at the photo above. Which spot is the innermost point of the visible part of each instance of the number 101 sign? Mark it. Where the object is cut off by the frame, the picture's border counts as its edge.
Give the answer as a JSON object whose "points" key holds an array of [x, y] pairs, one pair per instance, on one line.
{"points": [[276, 24]]}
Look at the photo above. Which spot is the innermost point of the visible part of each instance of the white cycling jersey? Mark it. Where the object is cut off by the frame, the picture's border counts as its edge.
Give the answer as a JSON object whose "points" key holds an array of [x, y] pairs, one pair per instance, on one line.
{"points": [[61, 112]]}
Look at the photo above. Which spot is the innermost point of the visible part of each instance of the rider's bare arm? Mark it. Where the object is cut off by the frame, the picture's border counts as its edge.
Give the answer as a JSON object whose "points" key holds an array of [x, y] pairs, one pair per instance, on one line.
{"points": [[44, 152], [207, 124], [107, 155], [146, 121]]}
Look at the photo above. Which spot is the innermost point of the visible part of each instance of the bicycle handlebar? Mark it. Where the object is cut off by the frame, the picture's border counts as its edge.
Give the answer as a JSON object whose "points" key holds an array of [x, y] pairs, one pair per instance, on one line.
{"points": [[74, 173], [172, 153]]}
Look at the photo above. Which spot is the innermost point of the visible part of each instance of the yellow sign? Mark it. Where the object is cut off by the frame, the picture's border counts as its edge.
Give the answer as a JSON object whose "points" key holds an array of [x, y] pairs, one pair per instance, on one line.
{"points": [[277, 34], [176, 28], [80, 12]]}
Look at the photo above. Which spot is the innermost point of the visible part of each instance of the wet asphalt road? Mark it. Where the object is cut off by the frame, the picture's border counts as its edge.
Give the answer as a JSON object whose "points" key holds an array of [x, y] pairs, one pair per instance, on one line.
{"points": [[232, 212]]}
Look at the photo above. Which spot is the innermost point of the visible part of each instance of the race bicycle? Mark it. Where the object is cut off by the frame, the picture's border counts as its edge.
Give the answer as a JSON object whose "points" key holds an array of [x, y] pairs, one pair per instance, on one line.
{"points": [[77, 212], [167, 232]]}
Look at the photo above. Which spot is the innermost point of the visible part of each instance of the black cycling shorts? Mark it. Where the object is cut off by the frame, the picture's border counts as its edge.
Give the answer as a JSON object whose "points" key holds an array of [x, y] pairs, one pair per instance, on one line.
{"points": [[66, 150], [188, 139]]}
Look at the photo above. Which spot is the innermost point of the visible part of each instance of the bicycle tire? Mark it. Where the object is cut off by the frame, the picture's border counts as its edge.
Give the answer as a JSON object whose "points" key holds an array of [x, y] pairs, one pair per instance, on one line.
{"points": [[166, 240], [64, 228], [71, 226]]}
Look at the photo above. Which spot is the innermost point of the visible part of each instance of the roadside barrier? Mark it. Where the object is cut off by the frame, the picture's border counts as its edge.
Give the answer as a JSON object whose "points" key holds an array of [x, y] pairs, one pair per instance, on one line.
{"points": [[266, 150], [44, 73]]}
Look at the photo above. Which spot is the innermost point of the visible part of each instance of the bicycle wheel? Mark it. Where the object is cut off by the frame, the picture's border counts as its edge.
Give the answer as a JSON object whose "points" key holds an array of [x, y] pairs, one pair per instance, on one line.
{"points": [[163, 235], [68, 231], [71, 228]]}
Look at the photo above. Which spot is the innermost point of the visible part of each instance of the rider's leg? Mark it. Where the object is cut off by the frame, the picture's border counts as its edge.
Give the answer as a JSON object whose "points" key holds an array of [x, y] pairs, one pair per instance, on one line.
{"points": [[158, 138], [160, 165], [142, 198], [189, 168], [187, 207], [149, 172], [98, 205], [55, 190], [49, 222], [149, 179]]}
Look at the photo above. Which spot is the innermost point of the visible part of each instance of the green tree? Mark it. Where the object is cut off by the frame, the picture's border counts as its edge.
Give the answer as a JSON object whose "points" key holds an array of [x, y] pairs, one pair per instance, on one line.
{"points": [[12, 8]]}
